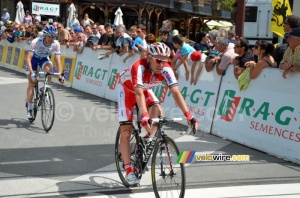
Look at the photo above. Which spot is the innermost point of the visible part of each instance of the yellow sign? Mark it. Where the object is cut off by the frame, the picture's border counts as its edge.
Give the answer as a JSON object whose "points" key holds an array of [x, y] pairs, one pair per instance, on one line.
{"points": [[281, 10]]}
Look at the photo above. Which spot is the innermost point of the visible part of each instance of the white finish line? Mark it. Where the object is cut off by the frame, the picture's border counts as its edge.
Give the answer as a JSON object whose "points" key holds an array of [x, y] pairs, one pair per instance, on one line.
{"points": [[270, 190]]}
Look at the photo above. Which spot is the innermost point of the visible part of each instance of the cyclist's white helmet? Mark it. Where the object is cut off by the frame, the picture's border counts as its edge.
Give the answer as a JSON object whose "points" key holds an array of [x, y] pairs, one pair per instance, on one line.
{"points": [[158, 49]]}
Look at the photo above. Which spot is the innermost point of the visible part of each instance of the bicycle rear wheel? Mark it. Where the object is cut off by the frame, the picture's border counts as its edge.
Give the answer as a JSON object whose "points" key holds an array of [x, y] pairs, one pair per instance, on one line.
{"points": [[168, 177], [48, 109]]}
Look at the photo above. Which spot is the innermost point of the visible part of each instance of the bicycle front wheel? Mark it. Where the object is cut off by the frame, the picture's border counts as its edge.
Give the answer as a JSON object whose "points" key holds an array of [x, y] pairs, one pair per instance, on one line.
{"points": [[168, 177], [48, 109]]}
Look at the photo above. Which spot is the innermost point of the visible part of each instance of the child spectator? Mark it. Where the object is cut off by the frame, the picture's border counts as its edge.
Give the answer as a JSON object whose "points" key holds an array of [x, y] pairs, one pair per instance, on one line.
{"points": [[188, 53]]}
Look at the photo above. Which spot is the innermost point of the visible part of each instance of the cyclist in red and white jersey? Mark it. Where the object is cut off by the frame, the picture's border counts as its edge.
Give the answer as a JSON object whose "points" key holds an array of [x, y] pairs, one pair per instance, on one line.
{"points": [[135, 87]]}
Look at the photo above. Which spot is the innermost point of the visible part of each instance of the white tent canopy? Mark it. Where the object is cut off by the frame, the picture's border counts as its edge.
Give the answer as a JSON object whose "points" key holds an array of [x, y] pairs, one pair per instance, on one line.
{"points": [[213, 23]]}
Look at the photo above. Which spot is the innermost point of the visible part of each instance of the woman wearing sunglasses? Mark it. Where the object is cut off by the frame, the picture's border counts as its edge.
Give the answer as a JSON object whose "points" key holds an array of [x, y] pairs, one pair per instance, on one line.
{"points": [[135, 87]]}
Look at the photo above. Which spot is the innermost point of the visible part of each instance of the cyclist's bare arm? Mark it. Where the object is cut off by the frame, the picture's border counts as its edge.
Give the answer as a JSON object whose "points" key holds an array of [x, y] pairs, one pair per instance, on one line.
{"points": [[58, 62], [179, 99], [141, 102], [140, 99], [28, 61]]}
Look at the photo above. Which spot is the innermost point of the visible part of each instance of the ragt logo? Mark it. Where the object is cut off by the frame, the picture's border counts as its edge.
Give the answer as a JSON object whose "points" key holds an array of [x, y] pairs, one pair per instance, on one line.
{"points": [[228, 106], [230, 103]]}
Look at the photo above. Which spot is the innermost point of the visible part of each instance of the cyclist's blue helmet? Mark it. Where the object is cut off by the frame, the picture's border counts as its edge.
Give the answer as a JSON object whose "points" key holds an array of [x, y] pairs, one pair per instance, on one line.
{"points": [[50, 31]]}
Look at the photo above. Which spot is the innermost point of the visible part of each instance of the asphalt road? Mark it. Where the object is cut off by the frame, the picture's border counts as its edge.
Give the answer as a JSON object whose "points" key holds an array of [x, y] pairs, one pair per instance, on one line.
{"points": [[76, 158]]}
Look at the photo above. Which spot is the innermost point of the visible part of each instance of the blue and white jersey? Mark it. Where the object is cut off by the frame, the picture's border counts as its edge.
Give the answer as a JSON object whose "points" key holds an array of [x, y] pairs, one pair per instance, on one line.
{"points": [[41, 50]]}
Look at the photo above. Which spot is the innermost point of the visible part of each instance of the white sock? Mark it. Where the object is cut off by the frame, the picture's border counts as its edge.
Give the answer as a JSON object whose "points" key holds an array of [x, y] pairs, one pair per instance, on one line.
{"points": [[29, 106]]}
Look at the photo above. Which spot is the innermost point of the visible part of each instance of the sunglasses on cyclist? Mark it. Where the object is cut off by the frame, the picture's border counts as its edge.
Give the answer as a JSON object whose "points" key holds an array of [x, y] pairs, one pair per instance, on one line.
{"points": [[158, 61]]}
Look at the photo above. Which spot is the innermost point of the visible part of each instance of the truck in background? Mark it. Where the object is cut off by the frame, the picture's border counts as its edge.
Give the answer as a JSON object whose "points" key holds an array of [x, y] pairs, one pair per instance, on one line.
{"points": [[258, 16]]}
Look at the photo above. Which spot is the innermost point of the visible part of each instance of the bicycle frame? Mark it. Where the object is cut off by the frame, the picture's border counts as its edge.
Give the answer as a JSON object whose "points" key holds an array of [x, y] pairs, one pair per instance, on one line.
{"points": [[157, 138]]}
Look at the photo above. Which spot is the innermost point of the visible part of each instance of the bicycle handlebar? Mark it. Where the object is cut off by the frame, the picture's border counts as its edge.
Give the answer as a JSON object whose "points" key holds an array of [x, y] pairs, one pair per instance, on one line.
{"points": [[157, 120], [52, 73]]}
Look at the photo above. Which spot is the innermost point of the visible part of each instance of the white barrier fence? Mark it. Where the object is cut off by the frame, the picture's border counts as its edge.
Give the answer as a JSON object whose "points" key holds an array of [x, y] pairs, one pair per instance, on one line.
{"points": [[265, 116]]}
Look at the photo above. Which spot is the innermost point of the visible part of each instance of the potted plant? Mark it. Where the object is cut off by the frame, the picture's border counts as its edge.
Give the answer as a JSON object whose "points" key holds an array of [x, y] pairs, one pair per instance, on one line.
{"points": [[227, 5]]}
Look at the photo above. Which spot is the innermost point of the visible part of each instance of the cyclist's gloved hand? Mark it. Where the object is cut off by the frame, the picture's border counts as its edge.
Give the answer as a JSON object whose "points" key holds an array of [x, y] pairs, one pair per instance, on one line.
{"points": [[33, 77], [145, 121], [61, 79], [193, 121]]}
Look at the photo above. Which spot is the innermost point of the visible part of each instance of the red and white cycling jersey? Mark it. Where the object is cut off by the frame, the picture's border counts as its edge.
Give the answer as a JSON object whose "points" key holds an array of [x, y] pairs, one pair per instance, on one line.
{"points": [[139, 75]]}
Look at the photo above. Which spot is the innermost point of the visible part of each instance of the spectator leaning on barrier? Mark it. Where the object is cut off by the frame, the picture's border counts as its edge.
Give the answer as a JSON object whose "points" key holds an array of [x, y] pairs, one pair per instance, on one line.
{"points": [[141, 32], [80, 42], [21, 34], [189, 54], [104, 37], [244, 55], [95, 30], [136, 41], [112, 38], [73, 37], [64, 36], [202, 43], [91, 38], [227, 56], [231, 36], [166, 39], [9, 34], [290, 22], [263, 50], [214, 53], [124, 41], [29, 33], [291, 58]]}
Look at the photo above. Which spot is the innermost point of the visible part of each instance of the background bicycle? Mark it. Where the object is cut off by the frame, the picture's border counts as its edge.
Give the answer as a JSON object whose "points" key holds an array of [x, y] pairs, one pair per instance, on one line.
{"points": [[43, 100]]}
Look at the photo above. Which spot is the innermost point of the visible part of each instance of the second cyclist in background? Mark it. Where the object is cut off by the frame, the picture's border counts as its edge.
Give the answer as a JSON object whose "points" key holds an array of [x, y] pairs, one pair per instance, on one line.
{"points": [[135, 86], [38, 54]]}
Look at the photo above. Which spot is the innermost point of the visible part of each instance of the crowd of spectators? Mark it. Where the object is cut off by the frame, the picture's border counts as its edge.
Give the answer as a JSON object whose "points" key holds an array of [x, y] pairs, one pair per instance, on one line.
{"points": [[214, 49]]}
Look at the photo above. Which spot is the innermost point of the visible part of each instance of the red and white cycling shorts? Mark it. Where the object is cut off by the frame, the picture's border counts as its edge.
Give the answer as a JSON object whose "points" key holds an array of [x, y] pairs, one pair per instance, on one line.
{"points": [[127, 100]]}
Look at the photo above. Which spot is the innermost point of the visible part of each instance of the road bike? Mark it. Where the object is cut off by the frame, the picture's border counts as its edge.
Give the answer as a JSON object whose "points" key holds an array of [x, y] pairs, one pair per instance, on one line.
{"points": [[43, 100], [168, 177]]}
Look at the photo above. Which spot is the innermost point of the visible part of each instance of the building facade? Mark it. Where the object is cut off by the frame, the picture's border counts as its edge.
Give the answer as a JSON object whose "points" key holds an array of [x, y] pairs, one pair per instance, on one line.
{"points": [[187, 16]]}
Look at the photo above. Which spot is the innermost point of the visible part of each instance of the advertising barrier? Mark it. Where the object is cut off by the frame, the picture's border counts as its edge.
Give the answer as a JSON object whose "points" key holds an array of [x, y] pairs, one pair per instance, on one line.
{"points": [[265, 116], [91, 74]]}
